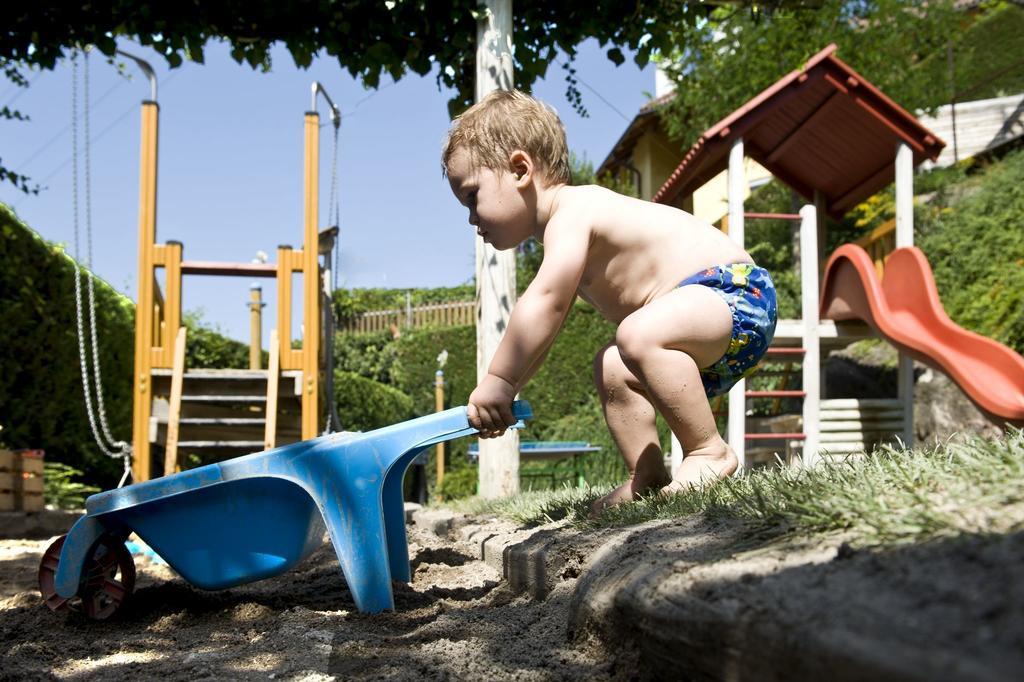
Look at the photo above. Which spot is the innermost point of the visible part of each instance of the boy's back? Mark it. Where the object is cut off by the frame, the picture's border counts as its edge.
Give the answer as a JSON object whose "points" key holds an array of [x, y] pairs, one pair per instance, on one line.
{"points": [[637, 250]]}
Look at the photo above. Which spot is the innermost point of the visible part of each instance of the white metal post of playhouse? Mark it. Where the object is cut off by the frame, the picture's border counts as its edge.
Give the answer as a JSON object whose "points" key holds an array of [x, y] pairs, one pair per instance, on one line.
{"points": [[905, 237], [811, 332], [736, 432]]}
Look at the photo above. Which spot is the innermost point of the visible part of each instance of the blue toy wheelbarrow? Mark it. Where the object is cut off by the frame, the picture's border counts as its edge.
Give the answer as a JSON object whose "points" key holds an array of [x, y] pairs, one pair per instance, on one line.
{"points": [[256, 516]]}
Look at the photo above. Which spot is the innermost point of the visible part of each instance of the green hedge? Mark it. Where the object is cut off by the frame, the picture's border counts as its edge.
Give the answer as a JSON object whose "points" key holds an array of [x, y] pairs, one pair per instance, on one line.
{"points": [[976, 249], [562, 387], [370, 355], [415, 365], [565, 382], [364, 404], [208, 347], [41, 403]]}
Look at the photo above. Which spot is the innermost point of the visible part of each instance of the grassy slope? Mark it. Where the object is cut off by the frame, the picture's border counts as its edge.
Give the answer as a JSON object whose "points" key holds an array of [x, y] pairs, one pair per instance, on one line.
{"points": [[974, 486]]}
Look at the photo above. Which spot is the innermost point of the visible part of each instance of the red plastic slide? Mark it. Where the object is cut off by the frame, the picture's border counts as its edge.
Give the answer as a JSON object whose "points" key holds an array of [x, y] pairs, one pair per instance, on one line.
{"points": [[904, 308]]}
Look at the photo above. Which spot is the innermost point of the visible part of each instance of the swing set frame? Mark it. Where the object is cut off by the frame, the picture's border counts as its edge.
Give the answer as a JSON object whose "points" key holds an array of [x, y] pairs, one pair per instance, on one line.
{"points": [[158, 313]]}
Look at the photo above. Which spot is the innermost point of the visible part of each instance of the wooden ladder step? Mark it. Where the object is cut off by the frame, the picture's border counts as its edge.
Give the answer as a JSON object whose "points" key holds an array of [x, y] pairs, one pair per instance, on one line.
{"points": [[224, 421], [860, 403], [883, 414], [775, 436], [254, 445], [775, 394], [224, 398], [863, 427]]}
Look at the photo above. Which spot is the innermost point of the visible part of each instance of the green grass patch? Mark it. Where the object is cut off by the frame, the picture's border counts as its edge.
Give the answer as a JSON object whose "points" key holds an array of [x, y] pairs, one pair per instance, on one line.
{"points": [[534, 507], [894, 496]]}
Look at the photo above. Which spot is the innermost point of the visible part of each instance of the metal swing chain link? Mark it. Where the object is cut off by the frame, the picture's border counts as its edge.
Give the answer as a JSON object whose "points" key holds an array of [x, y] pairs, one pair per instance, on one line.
{"points": [[97, 376], [332, 206], [123, 450]]}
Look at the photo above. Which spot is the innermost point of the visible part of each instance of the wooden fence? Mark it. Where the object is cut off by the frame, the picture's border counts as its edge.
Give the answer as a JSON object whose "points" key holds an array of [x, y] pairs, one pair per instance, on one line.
{"points": [[448, 314]]}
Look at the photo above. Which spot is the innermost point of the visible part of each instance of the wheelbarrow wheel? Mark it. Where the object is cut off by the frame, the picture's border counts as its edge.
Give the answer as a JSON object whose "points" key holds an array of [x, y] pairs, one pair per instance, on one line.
{"points": [[108, 578]]}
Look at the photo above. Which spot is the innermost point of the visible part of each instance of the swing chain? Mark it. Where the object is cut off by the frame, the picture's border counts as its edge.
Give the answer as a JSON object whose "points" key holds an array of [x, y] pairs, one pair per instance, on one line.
{"points": [[104, 440]]}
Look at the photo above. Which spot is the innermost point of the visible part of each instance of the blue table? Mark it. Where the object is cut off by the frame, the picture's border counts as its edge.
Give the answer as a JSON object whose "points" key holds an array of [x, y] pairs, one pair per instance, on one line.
{"points": [[553, 451]]}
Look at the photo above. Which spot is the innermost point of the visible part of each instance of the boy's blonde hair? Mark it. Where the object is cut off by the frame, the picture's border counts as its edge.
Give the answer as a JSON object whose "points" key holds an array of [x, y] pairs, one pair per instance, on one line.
{"points": [[507, 120]]}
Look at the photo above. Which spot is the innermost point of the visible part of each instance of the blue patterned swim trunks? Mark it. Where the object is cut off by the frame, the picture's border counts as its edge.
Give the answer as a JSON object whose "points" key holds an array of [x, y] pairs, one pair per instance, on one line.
{"points": [[749, 291]]}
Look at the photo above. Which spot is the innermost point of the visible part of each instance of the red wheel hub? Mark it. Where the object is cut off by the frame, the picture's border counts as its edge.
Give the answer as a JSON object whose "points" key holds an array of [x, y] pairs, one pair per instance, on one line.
{"points": [[108, 578]]}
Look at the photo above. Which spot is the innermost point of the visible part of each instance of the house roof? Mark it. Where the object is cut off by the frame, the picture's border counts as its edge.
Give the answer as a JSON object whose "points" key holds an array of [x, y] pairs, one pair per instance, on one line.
{"points": [[821, 127]]}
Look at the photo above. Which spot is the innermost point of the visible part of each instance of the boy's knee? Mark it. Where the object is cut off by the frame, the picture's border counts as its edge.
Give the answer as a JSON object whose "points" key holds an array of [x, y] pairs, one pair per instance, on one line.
{"points": [[632, 341]]}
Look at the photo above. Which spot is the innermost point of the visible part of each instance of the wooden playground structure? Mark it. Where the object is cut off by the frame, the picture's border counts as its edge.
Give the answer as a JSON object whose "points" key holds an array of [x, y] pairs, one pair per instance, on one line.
{"points": [[830, 135], [233, 411]]}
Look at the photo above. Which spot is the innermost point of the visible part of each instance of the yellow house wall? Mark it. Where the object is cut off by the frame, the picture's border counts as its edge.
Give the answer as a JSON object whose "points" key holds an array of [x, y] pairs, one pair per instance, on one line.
{"points": [[656, 157], [711, 200]]}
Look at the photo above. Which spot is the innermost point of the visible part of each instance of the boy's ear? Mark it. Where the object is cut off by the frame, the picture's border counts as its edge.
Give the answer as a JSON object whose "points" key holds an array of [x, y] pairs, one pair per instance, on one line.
{"points": [[522, 167]]}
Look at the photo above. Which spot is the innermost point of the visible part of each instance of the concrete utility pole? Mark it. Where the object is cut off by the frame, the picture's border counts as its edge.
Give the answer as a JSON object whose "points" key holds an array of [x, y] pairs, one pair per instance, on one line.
{"points": [[495, 270]]}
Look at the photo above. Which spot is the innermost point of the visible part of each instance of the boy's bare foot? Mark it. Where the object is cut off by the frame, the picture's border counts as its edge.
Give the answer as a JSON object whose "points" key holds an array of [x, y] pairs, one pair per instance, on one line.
{"points": [[702, 467], [628, 492]]}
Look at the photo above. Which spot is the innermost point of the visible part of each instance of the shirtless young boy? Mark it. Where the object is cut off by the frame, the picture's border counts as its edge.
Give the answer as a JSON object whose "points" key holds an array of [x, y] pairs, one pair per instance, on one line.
{"points": [[694, 313]]}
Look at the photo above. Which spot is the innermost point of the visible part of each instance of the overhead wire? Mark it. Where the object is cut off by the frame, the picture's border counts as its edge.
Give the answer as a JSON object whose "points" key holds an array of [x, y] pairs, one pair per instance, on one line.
{"points": [[60, 133], [20, 92], [611, 106], [98, 136], [599, 95]]}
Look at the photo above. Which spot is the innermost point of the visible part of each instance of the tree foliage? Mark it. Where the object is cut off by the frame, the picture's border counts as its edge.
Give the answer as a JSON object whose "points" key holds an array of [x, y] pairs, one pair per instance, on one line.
{"points": [[986, 57], [13, 74], [368, 39], [719, 64]]}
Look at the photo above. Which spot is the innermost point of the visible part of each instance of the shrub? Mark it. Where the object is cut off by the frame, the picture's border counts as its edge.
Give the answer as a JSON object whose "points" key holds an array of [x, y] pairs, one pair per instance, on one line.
{"points": [[459, 482], [41, 402], [364, 404], [565, 382], [415, 365], [976, 249], [60, 490], [369, 355], [206, 346]]}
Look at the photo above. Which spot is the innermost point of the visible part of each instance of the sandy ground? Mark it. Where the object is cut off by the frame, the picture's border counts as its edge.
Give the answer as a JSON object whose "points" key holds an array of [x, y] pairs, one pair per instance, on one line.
{"points": [[678, 599], [456, 620]]}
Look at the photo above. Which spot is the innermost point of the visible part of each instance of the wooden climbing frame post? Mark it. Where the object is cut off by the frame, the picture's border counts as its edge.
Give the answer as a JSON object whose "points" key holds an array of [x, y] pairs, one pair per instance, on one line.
{"points": [[311, 281], [142, 394]]}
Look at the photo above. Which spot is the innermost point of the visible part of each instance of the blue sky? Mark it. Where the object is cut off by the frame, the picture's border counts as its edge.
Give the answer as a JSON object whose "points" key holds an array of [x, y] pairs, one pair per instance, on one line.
{"points": [[230, 169]]}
